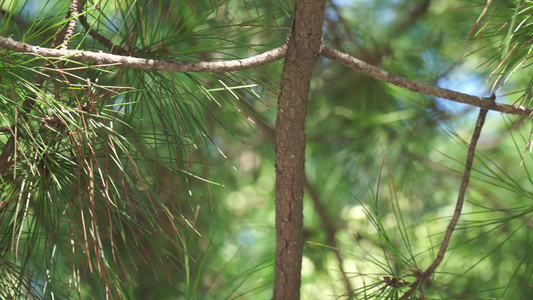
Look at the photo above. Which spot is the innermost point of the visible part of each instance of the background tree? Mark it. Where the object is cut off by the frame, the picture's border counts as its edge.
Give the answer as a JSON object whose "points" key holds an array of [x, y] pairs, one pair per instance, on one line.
{"points": [[109, 154]]}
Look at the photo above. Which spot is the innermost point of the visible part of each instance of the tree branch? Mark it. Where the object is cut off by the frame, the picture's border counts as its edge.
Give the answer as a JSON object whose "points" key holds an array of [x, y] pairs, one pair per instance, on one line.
{"points": [[262, 59], [150, 64], [484, 103], [426, 276]]}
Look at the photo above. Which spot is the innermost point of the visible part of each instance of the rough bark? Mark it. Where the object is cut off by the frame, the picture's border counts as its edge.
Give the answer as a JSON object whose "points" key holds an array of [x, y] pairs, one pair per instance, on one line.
{"points": [[302, 52]]}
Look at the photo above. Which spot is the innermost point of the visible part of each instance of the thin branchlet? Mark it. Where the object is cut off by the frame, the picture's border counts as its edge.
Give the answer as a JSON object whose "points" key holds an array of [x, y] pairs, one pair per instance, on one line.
{"points": [[426, 276], [376, 72]]}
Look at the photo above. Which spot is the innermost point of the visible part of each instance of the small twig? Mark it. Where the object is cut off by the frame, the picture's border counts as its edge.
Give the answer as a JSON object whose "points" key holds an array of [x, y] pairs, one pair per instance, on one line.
{"points": [[426, 276]]}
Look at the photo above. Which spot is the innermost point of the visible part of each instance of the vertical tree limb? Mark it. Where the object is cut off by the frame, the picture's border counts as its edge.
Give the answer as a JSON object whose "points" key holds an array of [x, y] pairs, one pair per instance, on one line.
{"points": [[328, 223], [302, 52]]}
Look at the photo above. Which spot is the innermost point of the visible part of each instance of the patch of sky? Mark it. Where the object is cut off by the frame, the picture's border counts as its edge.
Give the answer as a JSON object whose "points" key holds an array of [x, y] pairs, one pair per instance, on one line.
{"points": [[332, 14], [118, 103], [218, 143], [431, 59], [32, 10], [345, 3], [464, 81], [246, 237], [24, 9], [468, 82], [385, 15]]}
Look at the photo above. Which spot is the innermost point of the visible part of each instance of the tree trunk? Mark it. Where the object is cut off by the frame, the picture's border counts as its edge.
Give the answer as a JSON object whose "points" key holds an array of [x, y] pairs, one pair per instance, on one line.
{"points": [[302, 53]]}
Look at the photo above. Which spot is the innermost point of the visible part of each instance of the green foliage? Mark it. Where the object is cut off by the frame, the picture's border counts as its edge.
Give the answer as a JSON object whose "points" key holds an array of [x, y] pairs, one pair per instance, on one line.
{"points": [[505, 27], [110, 165], [138, 184]]}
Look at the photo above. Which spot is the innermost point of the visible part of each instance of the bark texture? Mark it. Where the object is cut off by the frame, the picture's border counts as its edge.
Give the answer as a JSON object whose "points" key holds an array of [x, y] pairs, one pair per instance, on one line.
{"points": [[148, 64], [302, 52]]}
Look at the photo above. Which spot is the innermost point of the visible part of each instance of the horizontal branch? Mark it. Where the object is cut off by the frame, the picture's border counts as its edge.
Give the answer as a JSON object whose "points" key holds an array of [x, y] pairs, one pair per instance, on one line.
{"points": [[149, 64], [262, 59], [484, 103]]}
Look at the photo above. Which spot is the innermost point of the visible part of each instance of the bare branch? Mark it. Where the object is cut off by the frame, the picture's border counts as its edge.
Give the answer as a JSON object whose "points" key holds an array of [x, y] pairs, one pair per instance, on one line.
{"points": [[426, 276], [484, 103], [262, 59], [150, 64]]}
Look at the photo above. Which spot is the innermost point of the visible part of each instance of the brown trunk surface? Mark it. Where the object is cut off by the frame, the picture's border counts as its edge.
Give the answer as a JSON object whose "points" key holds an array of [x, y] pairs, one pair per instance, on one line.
{"points": [[302, 53]]}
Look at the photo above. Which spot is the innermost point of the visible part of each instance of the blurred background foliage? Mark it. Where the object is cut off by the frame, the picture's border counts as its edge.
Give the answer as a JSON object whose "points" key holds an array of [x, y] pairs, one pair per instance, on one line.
{"points": [[383, 164]]}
